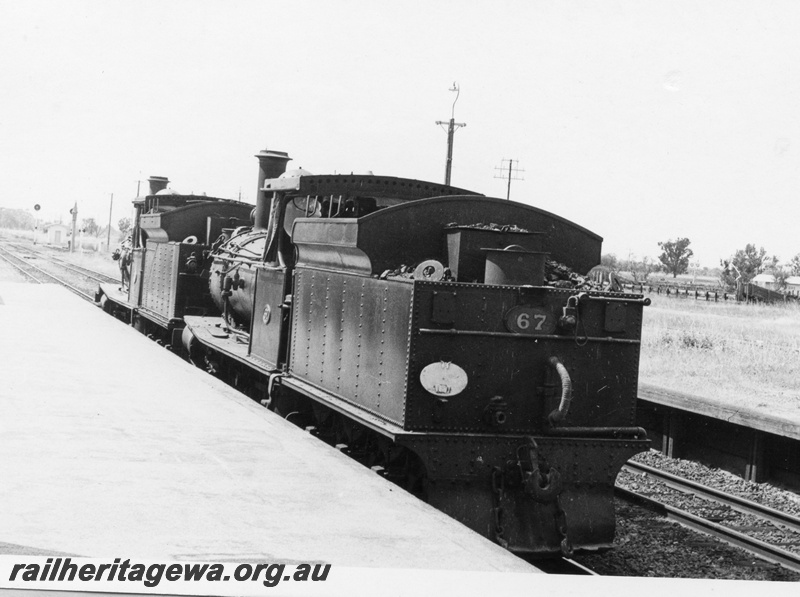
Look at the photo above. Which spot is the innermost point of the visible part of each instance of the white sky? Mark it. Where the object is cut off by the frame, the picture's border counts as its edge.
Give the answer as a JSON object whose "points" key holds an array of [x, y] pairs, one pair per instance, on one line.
{"points": [[640, 120]]}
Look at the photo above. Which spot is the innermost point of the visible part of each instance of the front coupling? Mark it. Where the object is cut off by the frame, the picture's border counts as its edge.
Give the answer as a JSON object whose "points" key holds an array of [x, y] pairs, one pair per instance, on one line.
{"points": [[543, 487]]}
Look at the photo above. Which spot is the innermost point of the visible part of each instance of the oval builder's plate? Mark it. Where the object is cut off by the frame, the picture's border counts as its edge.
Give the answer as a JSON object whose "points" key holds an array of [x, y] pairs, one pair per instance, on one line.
{"points": [[443, 379]]}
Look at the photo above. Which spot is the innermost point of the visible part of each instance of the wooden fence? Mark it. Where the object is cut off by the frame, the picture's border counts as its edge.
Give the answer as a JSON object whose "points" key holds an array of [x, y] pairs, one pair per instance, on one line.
{"points": [[744, 293], [677, 291]]}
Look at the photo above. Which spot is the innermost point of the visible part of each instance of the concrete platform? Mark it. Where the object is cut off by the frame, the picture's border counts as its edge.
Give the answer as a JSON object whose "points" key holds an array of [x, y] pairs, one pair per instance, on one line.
{"points": [[113, 446], [759, 444], [771, 419]]}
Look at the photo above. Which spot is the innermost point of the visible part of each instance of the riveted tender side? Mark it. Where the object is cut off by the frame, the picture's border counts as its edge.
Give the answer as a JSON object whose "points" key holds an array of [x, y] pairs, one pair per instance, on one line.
{"points": [[517, 398], [530, 447]]}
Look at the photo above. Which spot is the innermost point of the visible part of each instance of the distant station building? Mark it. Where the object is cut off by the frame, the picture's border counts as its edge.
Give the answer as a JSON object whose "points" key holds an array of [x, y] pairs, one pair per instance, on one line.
{"points": [[793, 285], [765, 281], [57, 234]]}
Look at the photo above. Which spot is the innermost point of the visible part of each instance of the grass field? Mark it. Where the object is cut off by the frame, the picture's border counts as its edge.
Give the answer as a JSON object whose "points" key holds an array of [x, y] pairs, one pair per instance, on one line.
{"points": [[746, 354]]}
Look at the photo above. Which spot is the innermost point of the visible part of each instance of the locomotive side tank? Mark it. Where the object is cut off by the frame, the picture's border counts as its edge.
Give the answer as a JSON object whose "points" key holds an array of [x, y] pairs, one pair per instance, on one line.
{"points": [[418, 328], [164, 261]]}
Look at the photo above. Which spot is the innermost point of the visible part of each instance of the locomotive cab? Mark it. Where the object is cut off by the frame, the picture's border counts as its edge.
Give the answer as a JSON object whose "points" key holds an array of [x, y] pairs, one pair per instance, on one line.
{"points": [[251, 276]]}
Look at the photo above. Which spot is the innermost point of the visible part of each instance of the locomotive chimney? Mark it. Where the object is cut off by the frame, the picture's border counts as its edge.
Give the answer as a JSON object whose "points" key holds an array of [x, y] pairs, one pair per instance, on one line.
{"points": [[157, 183], [271, 164]]}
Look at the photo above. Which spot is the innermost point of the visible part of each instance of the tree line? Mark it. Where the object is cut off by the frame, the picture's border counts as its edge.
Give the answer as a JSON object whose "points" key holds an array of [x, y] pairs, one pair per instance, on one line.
{"points": [[15, 219], [675, 258], [19, 219]]}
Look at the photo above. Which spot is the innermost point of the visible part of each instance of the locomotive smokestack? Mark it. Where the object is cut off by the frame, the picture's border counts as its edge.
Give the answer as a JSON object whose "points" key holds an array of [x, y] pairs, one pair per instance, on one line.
{"points": [[271, 164], [157, 183]]}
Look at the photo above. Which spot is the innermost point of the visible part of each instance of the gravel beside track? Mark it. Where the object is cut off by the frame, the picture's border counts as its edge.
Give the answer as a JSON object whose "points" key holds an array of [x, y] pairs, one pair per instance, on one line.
{"points": [[648, 545], [785, 501]]}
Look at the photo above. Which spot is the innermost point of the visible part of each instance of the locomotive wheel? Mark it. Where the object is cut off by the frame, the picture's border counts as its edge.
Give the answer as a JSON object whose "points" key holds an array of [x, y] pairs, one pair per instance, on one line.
{"points": [[404, 468], [396, 463], [107, 305], [194, 352]]}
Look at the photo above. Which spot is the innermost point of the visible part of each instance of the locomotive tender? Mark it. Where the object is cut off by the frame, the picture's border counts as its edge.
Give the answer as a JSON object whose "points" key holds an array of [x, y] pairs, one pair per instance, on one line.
{"points": [[385, 316]]}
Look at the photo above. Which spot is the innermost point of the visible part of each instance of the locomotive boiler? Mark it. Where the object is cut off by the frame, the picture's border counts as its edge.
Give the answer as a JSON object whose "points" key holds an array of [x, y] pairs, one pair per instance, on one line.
{"points": [[419, 328]]}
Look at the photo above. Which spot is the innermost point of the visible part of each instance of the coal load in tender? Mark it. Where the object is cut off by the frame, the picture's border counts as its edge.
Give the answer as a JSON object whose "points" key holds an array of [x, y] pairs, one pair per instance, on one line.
{"points": [[557, 274]]}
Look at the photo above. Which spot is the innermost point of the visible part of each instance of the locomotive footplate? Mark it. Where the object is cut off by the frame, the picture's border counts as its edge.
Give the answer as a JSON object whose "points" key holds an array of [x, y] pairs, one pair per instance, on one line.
{"points": [[111, 293], [541, 495]]}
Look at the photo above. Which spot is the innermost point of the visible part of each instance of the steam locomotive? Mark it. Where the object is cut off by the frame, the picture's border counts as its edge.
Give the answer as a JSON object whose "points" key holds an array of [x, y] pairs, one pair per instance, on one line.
{"points": [[416, 327]]}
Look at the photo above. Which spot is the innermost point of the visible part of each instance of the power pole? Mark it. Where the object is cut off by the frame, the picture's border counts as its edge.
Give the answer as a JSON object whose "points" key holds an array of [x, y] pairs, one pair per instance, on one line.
{"points": [[74, 212], [511, 173], [110, 209], [451, 129]]}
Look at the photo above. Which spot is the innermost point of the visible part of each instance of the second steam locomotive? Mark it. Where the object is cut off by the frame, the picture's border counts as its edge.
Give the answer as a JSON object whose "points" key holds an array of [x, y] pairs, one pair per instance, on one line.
{"points": [[418, 327]]}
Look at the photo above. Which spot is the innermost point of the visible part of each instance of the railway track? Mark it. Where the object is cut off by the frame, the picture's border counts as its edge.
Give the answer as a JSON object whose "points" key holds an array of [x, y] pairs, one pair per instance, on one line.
{"points": [[65, 264], [721, 515], [84, 271], [39, 275], [14, 262]]}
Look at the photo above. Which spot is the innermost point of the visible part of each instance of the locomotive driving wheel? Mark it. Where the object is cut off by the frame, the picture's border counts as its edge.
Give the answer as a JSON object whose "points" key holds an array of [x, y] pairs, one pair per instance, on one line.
{"points": [[404, 468]]}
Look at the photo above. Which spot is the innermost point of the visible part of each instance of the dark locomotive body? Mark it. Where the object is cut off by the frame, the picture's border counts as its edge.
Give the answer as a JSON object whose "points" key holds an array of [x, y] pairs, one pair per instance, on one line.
{"points": [[386, 317], [162, 264]]}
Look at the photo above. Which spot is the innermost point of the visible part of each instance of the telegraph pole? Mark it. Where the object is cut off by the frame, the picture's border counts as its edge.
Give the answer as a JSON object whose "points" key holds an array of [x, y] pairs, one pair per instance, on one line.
{"points": [[74, 212], [451, 129], [511, 173], [110, 209]]}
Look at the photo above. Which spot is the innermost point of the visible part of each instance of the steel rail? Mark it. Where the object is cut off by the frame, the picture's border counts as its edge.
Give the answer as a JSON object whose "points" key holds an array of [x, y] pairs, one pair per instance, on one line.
{"points": [[84, 271], [58, 280], [709, 493], [561, 566], [756, 547], [4, 255], [78, 269], [580, 568]]}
